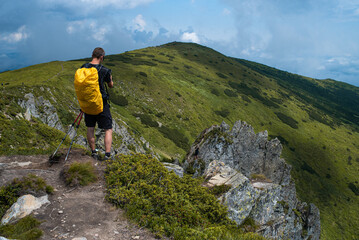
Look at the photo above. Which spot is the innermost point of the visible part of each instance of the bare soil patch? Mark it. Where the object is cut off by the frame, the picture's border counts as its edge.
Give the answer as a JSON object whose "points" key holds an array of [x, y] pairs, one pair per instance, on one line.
{"points": [[73, 212]]}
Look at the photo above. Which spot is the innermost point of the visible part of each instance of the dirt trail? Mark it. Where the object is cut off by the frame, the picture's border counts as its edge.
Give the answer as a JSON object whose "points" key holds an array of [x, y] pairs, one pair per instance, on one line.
{"points": [[73, 212]]}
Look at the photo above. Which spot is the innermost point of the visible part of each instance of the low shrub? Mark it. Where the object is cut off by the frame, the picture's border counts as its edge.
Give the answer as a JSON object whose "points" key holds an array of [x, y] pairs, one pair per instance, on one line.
{"points": [[119, 100], [221, 75], [354, 188], [223, 113], [175, 136], [215, 92], [308, 168], [147, 120], [143, 74], [287, 120], [230, 93], [168, 205], [25, 229], [218, 190], [78, 173]]}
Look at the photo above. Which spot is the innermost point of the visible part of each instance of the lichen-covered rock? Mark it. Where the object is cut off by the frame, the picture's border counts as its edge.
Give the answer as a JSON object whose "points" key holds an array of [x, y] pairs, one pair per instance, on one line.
{"points": [[42, 109], [260, 184]]}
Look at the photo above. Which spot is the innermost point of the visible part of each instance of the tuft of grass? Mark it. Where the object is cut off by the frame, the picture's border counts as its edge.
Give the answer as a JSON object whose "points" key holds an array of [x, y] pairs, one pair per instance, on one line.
{"points": [[78, 173], [259, 177], [218, 190], [168, 205], [25, 229]]}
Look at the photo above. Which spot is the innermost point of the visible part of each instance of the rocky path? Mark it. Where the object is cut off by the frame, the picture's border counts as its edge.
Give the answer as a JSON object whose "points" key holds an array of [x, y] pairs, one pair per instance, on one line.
{"points": [[73, 213]]}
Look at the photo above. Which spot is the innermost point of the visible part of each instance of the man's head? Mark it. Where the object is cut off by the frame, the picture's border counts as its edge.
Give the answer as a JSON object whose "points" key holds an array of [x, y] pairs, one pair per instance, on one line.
{"points": [[98, 53]]}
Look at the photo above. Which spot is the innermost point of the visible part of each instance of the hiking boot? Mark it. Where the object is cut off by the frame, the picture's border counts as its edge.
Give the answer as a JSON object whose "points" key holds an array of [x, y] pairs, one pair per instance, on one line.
{"points": [[94, 155], [108, 157]]}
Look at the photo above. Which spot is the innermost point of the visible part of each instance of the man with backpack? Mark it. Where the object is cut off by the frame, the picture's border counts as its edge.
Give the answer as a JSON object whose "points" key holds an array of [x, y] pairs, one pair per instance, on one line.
{"points": [[90, 87]]}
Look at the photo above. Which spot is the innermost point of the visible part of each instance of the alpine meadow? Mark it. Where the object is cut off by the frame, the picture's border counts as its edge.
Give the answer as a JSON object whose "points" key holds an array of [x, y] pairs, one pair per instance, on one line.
{"points": [[168, 94]]}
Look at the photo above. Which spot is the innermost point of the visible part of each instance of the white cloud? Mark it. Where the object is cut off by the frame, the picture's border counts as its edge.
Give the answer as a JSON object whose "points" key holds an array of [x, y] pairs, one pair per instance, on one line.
{"points": [[94, 5], [140, 23], [190, 37], [15, 37], [339, 60], [90, 28], [226, 12]]}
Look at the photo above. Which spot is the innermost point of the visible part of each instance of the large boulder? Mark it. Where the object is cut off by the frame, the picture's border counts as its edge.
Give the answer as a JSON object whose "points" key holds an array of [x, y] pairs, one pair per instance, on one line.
{"points": [[23, 207], [260, 185]]}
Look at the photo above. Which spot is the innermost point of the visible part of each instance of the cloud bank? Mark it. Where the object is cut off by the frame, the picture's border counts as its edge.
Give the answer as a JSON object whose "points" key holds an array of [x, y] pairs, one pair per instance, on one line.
{"points": [[315, 38]]}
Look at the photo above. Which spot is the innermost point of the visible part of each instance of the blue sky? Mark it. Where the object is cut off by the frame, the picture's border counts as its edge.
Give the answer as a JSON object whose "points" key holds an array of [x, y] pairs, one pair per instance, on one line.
{"points": [[314, 38]]}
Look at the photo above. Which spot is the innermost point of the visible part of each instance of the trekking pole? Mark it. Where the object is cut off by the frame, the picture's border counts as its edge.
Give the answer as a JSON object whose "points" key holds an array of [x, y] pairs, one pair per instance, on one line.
{"points": [[73, 138], [72, 125]]}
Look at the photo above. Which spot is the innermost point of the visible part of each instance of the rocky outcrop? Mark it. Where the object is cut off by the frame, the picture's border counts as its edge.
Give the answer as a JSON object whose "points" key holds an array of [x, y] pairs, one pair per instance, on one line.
{"points": [[261, 188], [23, 207], [42, 109]]}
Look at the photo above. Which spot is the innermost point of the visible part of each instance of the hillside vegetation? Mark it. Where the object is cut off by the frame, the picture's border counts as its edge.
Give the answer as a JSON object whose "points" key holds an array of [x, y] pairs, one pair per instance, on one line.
{"points": [[169, 94]]}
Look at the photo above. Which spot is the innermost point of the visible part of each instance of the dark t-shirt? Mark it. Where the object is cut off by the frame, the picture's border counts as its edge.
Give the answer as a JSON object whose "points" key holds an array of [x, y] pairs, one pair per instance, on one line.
{"points": [[104, 74]]}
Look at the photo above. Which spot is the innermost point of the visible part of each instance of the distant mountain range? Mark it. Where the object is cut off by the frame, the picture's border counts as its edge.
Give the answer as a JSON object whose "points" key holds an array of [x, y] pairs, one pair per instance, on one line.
{"points": [[170, 93]]}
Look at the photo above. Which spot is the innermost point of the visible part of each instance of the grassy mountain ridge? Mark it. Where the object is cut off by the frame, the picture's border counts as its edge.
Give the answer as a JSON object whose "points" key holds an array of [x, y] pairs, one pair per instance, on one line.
{"points": [[169, 94]]}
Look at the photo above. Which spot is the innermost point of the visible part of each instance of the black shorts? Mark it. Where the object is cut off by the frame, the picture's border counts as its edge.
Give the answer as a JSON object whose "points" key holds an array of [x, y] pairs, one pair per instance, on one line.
{"points": [[104, 119]]}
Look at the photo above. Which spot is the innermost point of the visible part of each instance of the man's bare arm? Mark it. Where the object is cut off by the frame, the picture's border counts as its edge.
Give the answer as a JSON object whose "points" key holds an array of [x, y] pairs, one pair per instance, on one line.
{"points": [[110, 84]]}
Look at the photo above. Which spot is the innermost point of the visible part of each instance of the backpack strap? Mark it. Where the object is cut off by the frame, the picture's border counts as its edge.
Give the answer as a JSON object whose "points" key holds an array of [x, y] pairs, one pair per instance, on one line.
{"points": [[106, 89]]}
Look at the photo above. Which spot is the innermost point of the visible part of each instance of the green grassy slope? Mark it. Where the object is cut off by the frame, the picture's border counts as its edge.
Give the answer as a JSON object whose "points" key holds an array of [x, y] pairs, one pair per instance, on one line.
{"points": [[169, 94]]}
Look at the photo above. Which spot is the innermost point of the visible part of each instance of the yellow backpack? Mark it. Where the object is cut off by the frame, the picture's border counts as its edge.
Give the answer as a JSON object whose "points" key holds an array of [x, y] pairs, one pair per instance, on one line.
{"points": [[88, 90]]}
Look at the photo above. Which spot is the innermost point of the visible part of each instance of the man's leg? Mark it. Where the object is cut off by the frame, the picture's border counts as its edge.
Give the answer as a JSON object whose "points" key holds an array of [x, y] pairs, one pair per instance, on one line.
{"points": [[91, 137], [108, 140]]}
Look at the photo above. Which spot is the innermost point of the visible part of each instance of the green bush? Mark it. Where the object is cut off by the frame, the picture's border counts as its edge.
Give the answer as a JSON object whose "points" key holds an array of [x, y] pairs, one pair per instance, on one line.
{"points": [[215, 92], [168, 205], [143, 74], [25, 229], [147, 120], [79, 174], [175, 136], [230, 93], [308, 168], [287, 120], [223, 113], [221, 75], [119, 100], [218, 190], [354, 188]]}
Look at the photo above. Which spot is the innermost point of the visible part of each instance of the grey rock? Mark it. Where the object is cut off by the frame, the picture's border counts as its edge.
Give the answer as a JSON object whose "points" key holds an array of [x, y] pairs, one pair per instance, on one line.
{"points": [[23, 207], [235, 157], [42, 109], [178, 170], [2, 238]]}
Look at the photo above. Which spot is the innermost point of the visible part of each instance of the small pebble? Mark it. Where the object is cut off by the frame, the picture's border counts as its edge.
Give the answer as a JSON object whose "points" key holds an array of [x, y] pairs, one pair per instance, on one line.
{"points": [[60, 212]]}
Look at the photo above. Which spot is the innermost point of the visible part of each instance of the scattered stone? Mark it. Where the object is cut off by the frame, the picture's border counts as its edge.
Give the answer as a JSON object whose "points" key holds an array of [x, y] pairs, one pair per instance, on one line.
{"points": [[135, 237], [79, 238], [60, 212], [23, 207]]}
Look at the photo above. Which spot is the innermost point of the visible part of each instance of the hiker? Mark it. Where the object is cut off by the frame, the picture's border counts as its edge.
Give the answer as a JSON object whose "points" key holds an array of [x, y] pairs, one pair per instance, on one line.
{"points": [[104, 118]]}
